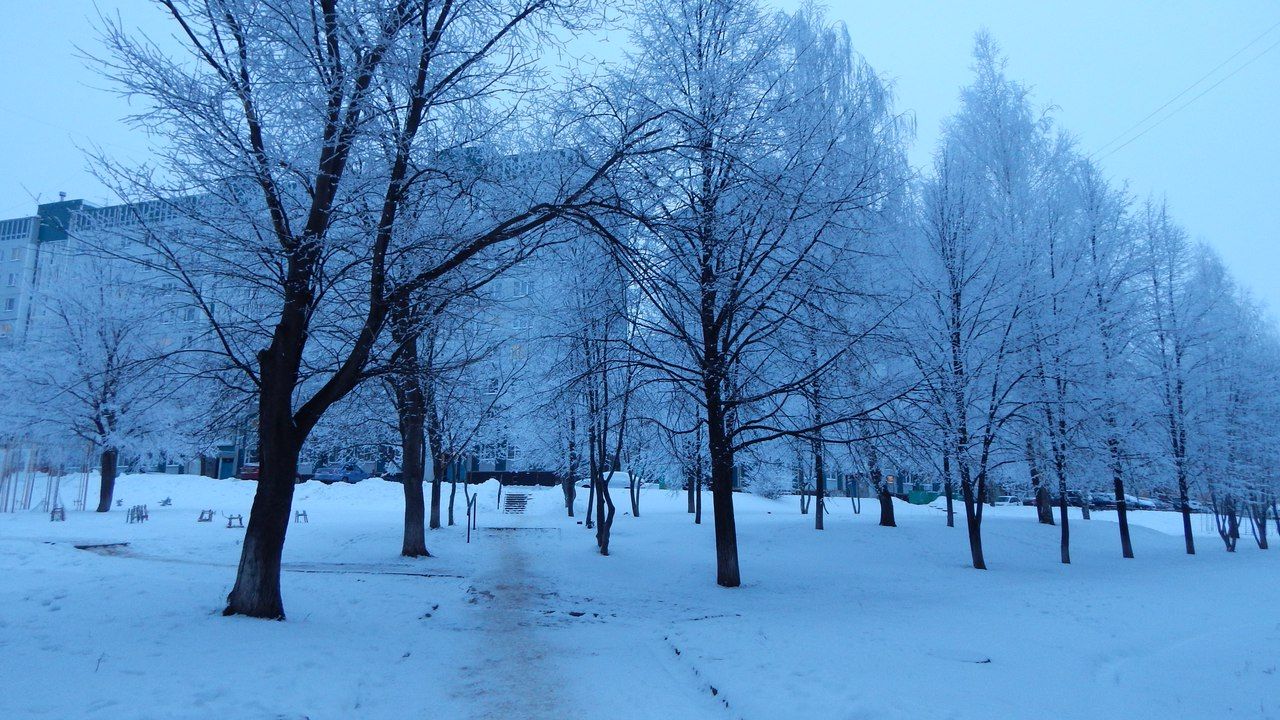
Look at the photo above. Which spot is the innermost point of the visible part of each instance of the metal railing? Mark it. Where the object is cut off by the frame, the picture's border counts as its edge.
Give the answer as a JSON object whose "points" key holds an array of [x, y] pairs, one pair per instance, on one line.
{"points": [[472, 510]]}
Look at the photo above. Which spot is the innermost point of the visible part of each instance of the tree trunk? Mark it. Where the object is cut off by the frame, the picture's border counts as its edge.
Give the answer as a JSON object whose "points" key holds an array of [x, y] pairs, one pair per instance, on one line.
{"points": [[604, 514], [882, 489], [1044, 506], [1258, 517], [1122, 512], [438, 469], [1185, 501], [973, 517], [633, 487], [107, 477], [570, 484], [411, 405], [591, 499], [1226, 515], [819, 485], [440, 463], [951, 512], [1044, 503], [946, 486], [415, 531], [689, 489], [453, 493], [697, 510], [1066, 526], [570, 491], [727, 572], [257, 589]]}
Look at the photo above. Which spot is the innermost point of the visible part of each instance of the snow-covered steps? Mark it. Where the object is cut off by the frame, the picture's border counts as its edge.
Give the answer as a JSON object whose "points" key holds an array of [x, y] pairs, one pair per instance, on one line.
{"points": [[514, 503]]}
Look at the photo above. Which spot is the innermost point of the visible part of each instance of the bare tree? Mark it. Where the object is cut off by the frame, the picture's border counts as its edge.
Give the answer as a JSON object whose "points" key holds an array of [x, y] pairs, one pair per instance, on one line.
{"points": [[294, 131]]}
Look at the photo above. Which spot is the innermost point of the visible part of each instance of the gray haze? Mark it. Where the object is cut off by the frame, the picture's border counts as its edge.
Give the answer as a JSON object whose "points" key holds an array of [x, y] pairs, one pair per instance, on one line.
{"points": [[1102, 66]]}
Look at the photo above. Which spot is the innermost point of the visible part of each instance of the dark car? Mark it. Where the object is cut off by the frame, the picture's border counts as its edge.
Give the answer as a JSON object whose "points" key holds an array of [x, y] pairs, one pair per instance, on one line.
{"points": [[349, 473], [248, 471], [1102, 501]]}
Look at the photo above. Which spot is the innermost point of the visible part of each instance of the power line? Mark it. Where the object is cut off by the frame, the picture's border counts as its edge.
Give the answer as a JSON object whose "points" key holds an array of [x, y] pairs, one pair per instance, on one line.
{"points": [[1202, 93], [1188, 89]]}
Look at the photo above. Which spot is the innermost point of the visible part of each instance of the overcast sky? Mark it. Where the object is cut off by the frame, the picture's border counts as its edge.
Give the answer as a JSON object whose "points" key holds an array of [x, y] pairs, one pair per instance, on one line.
{"points": [[1103, 64]]}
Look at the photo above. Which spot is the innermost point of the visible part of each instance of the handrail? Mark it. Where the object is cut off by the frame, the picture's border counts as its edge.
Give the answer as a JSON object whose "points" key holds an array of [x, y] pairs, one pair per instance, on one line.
{"points": [[471, 515]]}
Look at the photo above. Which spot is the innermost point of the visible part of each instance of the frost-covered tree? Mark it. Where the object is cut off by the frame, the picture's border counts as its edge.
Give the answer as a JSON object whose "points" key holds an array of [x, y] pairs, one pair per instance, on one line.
{"points": [[305, 130], [758, 178], [102, 362], [973, 275]]}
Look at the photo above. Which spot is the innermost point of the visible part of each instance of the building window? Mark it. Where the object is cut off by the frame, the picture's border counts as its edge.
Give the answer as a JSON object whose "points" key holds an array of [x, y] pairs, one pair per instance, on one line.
{"points": [[10, 304], [6, 328], [13, 280], [15, 253], [189, 314]]}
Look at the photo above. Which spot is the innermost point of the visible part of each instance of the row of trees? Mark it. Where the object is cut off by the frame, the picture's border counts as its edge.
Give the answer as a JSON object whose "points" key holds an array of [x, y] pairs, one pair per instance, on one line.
{"points": [[736, 275]]}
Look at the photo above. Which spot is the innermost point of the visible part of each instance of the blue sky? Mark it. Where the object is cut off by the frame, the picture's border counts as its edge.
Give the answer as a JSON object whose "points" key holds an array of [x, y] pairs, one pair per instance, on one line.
{"points": [[1103, 66]]}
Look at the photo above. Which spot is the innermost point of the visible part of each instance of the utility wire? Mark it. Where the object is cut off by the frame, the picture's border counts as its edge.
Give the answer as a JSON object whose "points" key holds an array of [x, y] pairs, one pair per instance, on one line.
{"points": [[1186, 90], [1201, 94]]}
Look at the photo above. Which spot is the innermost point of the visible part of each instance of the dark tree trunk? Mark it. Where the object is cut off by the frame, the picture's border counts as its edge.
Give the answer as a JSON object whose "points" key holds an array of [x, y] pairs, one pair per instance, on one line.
{"points": [[688, 486], [1066, 525], [882, 489], [946, 486], [570, 491], [257, 589], [411, 408], [973, 517], [604, 514], [1258, 518], [415, 540], [1226, 515], [1044, 503], [438, 469], [107, 478], [570, 484], [633, 487], [453, 493], [591, 500], [727, 572], [802, 487], [1122, 512], [951, 511], [819, 485], [697, 510], [433, 417], [1044, 506], [1185, 501]]}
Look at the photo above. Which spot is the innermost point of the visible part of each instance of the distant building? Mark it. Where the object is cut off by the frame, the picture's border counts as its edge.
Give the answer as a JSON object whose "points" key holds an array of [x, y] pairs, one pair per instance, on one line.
{"points": [[31, 250]]}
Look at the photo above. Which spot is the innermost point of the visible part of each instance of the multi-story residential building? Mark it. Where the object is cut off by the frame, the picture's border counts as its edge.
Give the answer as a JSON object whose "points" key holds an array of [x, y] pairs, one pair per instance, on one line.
{"points": [[33, 252], [21, 242]]}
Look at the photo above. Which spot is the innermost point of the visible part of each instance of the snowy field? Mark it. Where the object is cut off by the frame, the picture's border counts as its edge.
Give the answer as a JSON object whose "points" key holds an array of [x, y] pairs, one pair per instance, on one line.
{"points": [[527, 621]]}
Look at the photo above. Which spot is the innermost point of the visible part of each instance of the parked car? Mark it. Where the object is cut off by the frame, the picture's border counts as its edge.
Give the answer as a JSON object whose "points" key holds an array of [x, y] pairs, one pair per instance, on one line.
{"points": [[349, 473], [1008, 500], [1141, 503], [248, 471], [1074, 499], [1102, 501]]}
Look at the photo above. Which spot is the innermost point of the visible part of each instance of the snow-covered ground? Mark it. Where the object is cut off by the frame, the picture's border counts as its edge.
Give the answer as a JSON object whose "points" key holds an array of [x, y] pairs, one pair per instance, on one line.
{"points": [[527, 621]]}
